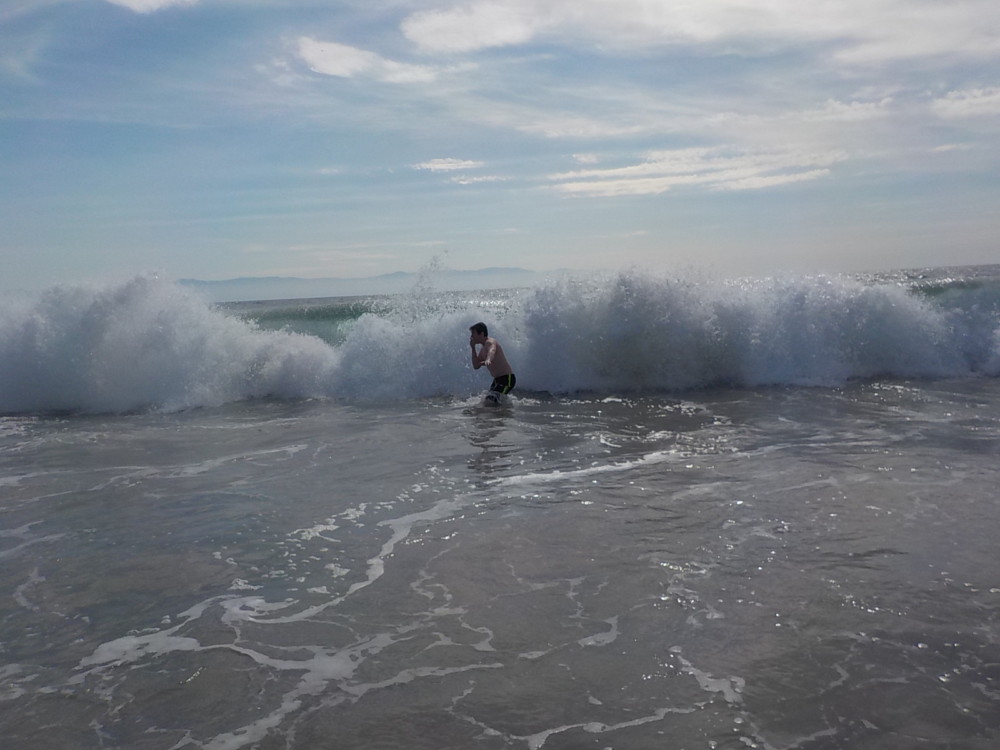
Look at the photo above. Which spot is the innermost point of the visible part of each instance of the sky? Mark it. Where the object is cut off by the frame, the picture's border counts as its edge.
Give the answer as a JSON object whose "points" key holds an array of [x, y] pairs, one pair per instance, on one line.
{"points": [[216, 139]]}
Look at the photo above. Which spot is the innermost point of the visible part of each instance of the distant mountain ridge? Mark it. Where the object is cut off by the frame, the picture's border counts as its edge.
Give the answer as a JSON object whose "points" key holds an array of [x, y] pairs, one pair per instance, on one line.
{"points": [[290, 287]]}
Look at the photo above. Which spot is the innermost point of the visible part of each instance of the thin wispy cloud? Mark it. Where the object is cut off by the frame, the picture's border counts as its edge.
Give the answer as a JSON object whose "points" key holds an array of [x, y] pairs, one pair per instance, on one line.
{"points": [[843, 112], [448, 165], [345, 61], [150, 6], [467, 180], [17, 62], [705, 168]]}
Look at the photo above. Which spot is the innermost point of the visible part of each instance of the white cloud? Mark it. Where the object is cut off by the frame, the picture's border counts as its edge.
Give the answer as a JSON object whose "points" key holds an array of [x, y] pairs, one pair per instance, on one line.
{"points": [[344, 61], [763, 124], [837, 111], [473, 27], [544, 119], [968, 103], [463, 180], [18, 57], [149, 6], [900, 29], [712, 168], [760, 182], [459, 165], [860, 33], [448, 165]]}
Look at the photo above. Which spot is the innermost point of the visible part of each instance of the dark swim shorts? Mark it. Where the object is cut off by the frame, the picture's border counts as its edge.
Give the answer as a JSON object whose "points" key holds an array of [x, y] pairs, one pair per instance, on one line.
{"points": [[504, 384]]}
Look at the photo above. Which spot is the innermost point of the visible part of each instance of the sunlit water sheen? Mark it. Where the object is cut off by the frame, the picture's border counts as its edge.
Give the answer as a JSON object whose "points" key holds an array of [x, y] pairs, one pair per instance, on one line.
{"points": [[779, 567]]}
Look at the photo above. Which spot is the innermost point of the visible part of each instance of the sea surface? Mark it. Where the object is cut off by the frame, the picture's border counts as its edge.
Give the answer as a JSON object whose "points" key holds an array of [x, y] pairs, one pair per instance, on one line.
{"points": [[716, 514]]}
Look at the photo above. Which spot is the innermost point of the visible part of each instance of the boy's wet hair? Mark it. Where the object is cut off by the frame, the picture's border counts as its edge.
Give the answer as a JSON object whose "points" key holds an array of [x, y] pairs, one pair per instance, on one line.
{"points": [[479, 328]]}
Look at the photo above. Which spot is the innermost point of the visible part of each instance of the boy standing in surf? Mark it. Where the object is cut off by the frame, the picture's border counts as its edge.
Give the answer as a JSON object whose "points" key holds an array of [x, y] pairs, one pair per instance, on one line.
{"points": [[491, 355]]}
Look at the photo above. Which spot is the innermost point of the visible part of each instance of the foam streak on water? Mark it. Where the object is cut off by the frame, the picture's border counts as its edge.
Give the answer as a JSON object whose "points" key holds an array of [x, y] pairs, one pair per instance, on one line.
{"points": [[772, 568]]}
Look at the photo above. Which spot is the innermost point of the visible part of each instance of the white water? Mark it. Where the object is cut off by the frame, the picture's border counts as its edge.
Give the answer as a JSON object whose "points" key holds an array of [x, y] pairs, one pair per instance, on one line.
{"points": [[149, 344]]}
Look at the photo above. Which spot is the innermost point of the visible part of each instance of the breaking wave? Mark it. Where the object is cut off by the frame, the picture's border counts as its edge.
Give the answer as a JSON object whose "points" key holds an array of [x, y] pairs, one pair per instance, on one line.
{"points": [[151, 344]]}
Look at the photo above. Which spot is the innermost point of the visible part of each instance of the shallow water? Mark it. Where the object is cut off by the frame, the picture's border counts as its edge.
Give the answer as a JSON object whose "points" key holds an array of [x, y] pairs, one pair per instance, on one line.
{"points": [[773, 568]]}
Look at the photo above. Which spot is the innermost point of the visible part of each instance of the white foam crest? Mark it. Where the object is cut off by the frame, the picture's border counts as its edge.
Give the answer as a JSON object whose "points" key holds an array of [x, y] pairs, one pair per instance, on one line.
{"points": [[145, 344], [149, 344], [401, 357], [634, 332]]}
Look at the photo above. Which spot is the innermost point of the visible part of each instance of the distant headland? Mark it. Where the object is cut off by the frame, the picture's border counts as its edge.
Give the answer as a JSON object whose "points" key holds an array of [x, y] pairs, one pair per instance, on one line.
{"points": [[286, 287]]}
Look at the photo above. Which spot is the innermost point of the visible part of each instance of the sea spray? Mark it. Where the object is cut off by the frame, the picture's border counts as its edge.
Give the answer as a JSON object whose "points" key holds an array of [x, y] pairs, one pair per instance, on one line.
{"points": [[626, 332], [150, 344], [385, 358], [415, 345], [635, 333], [145, 344]]}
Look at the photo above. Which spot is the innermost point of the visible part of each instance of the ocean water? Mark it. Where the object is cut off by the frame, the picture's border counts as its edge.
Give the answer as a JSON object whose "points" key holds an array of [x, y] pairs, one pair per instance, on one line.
{"points": [[717, 514]]}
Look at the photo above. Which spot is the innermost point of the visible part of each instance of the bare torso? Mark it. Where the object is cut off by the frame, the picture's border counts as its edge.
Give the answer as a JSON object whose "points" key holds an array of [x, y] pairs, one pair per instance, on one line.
{"points": [[491, 354]]}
